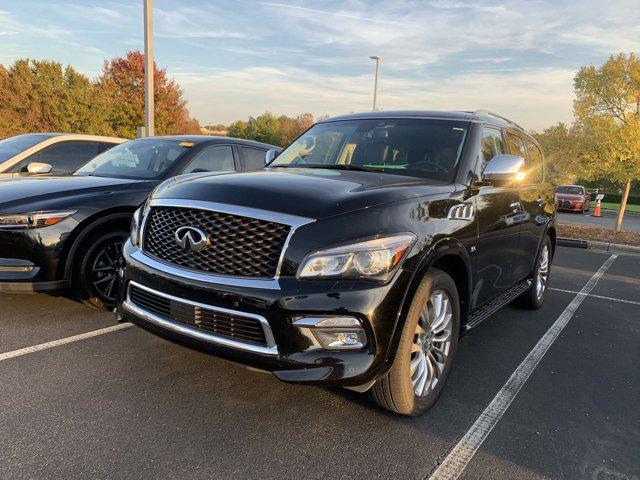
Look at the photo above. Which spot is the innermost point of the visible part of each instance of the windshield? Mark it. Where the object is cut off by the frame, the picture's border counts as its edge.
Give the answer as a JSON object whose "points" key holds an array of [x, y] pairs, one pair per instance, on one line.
{"points": [[145, 158], [10, 147], [414, 147], [570, 190]]}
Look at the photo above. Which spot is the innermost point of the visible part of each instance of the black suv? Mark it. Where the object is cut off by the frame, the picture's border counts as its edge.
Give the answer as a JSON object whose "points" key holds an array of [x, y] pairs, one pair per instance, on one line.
{"points": [[67, 231], [356, 258]]}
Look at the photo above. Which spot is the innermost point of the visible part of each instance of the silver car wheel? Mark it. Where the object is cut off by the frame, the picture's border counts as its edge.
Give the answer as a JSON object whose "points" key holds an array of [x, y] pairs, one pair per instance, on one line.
{"points": [[543, 272], [431, 343]]}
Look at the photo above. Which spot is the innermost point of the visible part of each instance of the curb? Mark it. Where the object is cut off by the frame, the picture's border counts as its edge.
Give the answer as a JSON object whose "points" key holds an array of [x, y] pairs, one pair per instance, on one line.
{"points": [[599, 246]]}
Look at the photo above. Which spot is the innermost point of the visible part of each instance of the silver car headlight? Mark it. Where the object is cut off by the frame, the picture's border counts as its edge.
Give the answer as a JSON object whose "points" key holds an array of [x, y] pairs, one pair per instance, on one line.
{"points": [[371, 259], [33, 219]]}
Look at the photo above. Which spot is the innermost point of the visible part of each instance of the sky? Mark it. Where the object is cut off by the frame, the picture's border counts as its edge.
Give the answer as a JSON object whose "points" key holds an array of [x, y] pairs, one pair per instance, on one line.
{"points": [[236, 58]]}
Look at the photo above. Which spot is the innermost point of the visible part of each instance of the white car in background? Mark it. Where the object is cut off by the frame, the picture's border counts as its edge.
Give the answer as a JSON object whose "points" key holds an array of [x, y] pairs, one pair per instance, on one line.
{"points": [[55, 153]]}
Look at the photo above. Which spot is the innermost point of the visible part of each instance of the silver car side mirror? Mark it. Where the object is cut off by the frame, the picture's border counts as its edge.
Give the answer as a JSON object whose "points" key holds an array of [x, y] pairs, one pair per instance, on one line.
{"points": [[271, 155], [504, 168], [38, 167]]}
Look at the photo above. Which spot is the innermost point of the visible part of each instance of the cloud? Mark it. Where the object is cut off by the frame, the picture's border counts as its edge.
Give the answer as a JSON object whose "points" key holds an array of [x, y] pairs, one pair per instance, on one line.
{"points": [[536, 98], [240, 58]]}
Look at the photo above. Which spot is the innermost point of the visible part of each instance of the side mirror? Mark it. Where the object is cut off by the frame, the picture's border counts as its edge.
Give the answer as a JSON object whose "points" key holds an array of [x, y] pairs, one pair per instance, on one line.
{"points": [[504, 168], [39, 168], [271, 155]]}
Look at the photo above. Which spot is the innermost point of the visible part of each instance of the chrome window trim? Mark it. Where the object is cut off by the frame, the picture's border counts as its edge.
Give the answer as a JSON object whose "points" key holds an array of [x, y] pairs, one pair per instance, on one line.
{"points": [[270, 349], [293, 221]]}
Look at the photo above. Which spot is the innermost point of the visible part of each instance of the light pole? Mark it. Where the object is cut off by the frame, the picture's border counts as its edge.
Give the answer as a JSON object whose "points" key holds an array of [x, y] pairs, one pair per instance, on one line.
{"points": [[375, 85], [148, 67]]}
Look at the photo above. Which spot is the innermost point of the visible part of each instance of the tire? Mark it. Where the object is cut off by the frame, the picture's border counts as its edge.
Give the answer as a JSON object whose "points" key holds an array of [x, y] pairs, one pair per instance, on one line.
{"points": [[415, 358], [96, 274], [533, 298]]}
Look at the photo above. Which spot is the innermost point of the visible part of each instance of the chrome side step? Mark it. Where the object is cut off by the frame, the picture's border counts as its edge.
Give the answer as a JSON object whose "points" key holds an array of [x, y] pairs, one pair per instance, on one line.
{"points": [[483, 312]]}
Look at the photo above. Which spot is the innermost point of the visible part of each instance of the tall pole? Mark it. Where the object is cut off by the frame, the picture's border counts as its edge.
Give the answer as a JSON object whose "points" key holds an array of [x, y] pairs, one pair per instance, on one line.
{"points": [[148, 67], [375, 84]]}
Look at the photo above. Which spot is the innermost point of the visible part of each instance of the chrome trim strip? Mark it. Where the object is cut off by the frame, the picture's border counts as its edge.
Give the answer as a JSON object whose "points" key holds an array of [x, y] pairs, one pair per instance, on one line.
{"points": [[462, 211], [270, 349], [269, 283], [293, 221]]}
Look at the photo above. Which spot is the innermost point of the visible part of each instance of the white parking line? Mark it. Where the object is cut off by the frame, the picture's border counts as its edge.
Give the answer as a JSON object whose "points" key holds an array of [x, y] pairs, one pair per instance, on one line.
{"points": [[595, 296], [459, 457], [62, 341]]}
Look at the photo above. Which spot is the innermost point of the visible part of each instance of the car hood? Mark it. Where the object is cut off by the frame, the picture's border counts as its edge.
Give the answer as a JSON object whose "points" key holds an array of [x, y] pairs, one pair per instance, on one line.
{"points": [[304, 192], [569, 196], [32, 189]]}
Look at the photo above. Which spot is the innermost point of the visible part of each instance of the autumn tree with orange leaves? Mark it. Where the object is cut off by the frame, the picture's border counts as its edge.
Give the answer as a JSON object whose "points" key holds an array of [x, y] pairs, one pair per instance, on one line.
{"points": [[122, 83], [44, 96]]}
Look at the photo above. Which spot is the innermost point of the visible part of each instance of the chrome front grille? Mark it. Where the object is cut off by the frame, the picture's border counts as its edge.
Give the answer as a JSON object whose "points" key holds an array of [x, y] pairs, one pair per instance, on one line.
{"points": [[238, 245], [207, 322]]}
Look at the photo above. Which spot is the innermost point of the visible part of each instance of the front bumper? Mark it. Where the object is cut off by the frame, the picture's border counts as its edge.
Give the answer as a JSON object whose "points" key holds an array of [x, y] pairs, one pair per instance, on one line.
{"points": [[570, 205], [292, 356], [31, 259]]}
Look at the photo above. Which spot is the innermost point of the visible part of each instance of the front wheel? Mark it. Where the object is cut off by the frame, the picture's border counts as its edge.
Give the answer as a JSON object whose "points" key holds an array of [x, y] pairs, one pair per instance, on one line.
{"points": [[98, 270], [426, 349]]}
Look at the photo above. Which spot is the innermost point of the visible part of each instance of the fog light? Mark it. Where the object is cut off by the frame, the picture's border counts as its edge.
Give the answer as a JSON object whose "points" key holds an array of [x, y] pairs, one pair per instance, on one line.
{"points": [[336, 333]]}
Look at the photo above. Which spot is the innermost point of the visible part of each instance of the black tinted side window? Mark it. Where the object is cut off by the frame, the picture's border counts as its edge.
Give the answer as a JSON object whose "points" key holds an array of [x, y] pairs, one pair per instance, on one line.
{"points": [[212, 159], [64, 157], [492, 144], [252, 158], [104, 146]]}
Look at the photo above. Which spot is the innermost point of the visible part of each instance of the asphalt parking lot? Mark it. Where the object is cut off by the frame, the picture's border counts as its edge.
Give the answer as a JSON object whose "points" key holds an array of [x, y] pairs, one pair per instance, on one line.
{"points": [[630, 223], [126, 404]]}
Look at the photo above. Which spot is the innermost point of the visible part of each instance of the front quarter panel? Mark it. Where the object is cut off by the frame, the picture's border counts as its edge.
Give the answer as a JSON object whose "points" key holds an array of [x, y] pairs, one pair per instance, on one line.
{"points": [[437, 235]]}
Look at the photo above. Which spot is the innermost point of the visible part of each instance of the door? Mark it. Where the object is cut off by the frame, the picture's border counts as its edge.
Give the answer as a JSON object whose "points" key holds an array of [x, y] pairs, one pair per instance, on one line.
{"points": [[498, 215], [535, 198], [212, 159]]}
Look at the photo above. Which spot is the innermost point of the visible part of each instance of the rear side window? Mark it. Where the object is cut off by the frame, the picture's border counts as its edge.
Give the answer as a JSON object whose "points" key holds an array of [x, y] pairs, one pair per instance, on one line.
{"points": [[534, 163], [212, 159], [492, 144], [252, 158], [64, 157]]}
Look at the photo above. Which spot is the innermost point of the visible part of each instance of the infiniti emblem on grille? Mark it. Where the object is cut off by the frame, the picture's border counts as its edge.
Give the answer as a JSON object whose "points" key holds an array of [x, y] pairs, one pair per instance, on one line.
{"points": [[191, 238]]}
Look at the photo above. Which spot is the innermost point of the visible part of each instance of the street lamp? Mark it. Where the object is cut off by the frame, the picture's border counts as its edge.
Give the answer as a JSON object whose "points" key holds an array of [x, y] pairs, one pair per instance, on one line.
{"points": [[375, 85], [148, 68]]}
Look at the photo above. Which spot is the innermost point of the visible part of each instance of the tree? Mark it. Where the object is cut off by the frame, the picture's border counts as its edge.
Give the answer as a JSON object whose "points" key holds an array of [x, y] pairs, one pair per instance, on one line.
{"points": [[557, 143], [607, 122], [122, 83], [42, 96], [268, 128]]}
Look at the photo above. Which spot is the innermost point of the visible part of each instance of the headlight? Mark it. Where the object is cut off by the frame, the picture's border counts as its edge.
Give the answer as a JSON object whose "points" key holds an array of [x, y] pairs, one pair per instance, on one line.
{"points": [[372, 259], [33, 219], [135, 226]]}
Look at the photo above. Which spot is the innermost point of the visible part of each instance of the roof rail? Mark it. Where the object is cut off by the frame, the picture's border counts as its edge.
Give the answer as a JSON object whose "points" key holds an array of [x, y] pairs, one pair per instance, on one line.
{"points": [[497, 115]]}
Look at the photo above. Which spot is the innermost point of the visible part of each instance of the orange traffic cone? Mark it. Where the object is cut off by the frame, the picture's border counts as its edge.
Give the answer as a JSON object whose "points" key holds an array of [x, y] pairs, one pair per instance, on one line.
{"points": [[597, 211]]}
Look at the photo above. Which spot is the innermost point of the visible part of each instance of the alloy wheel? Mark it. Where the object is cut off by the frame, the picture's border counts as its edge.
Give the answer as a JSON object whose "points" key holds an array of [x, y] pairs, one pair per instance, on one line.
{"points": [[431, 343], [543, 272], [104, 271]]}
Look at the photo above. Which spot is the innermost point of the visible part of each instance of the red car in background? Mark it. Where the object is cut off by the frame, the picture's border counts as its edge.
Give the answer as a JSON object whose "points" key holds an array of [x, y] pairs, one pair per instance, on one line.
{"points": [[573, 198]]}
